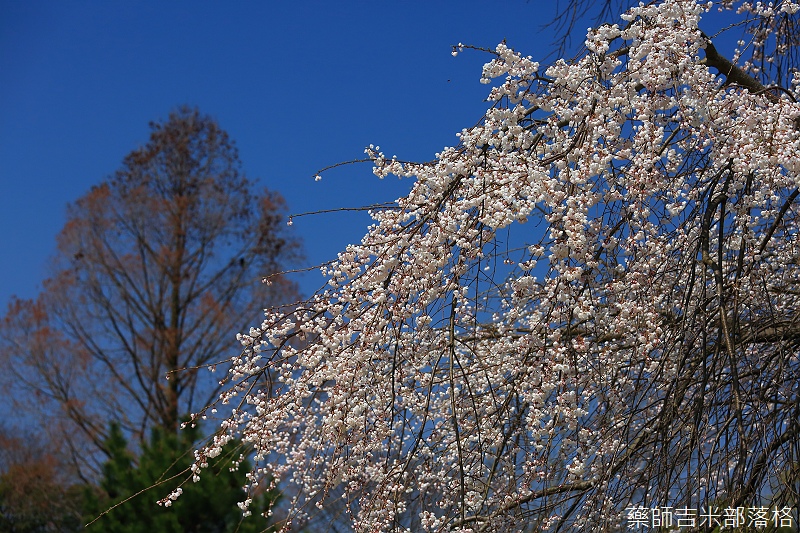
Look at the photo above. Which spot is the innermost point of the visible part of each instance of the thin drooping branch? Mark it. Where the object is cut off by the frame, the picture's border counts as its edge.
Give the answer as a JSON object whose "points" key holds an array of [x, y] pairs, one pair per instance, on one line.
{"points": [[587, 304]]}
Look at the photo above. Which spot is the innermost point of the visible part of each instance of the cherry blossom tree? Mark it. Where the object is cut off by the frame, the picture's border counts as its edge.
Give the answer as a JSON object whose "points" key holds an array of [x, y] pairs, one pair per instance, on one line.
{"points": [[773, 41], [587, 306]]}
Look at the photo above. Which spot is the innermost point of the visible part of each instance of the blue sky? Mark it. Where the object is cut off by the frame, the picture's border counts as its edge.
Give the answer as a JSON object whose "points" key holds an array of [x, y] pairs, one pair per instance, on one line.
{"points": [[298, 85]]}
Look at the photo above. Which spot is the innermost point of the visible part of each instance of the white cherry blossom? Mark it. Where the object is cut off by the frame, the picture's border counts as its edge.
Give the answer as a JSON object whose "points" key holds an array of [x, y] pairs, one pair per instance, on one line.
{"points": [[585, 305]]}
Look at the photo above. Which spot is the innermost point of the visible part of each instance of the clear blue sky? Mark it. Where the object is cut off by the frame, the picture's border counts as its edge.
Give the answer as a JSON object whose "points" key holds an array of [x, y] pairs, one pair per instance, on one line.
{"points": [[298, 85]]}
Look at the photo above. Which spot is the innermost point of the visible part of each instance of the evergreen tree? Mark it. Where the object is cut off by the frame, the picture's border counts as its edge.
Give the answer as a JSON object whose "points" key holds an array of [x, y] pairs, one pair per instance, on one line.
{"points": [[125, 500]]}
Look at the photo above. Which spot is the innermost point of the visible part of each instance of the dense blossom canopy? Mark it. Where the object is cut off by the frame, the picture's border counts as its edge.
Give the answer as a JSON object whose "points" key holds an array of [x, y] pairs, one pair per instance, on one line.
{"points": [[590, 303]]}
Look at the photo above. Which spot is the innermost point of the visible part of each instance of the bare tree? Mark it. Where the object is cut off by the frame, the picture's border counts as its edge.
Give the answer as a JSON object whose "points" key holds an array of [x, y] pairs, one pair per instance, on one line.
{"points": [[156, 266]]}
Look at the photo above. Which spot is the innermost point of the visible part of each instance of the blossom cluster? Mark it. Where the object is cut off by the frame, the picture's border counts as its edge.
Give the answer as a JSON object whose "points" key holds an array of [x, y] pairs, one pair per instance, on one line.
{"points": [[599, 266]]}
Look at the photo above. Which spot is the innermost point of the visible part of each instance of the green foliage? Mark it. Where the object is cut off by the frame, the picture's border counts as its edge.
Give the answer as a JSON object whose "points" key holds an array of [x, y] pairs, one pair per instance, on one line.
{"points": [[125, 501]]}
